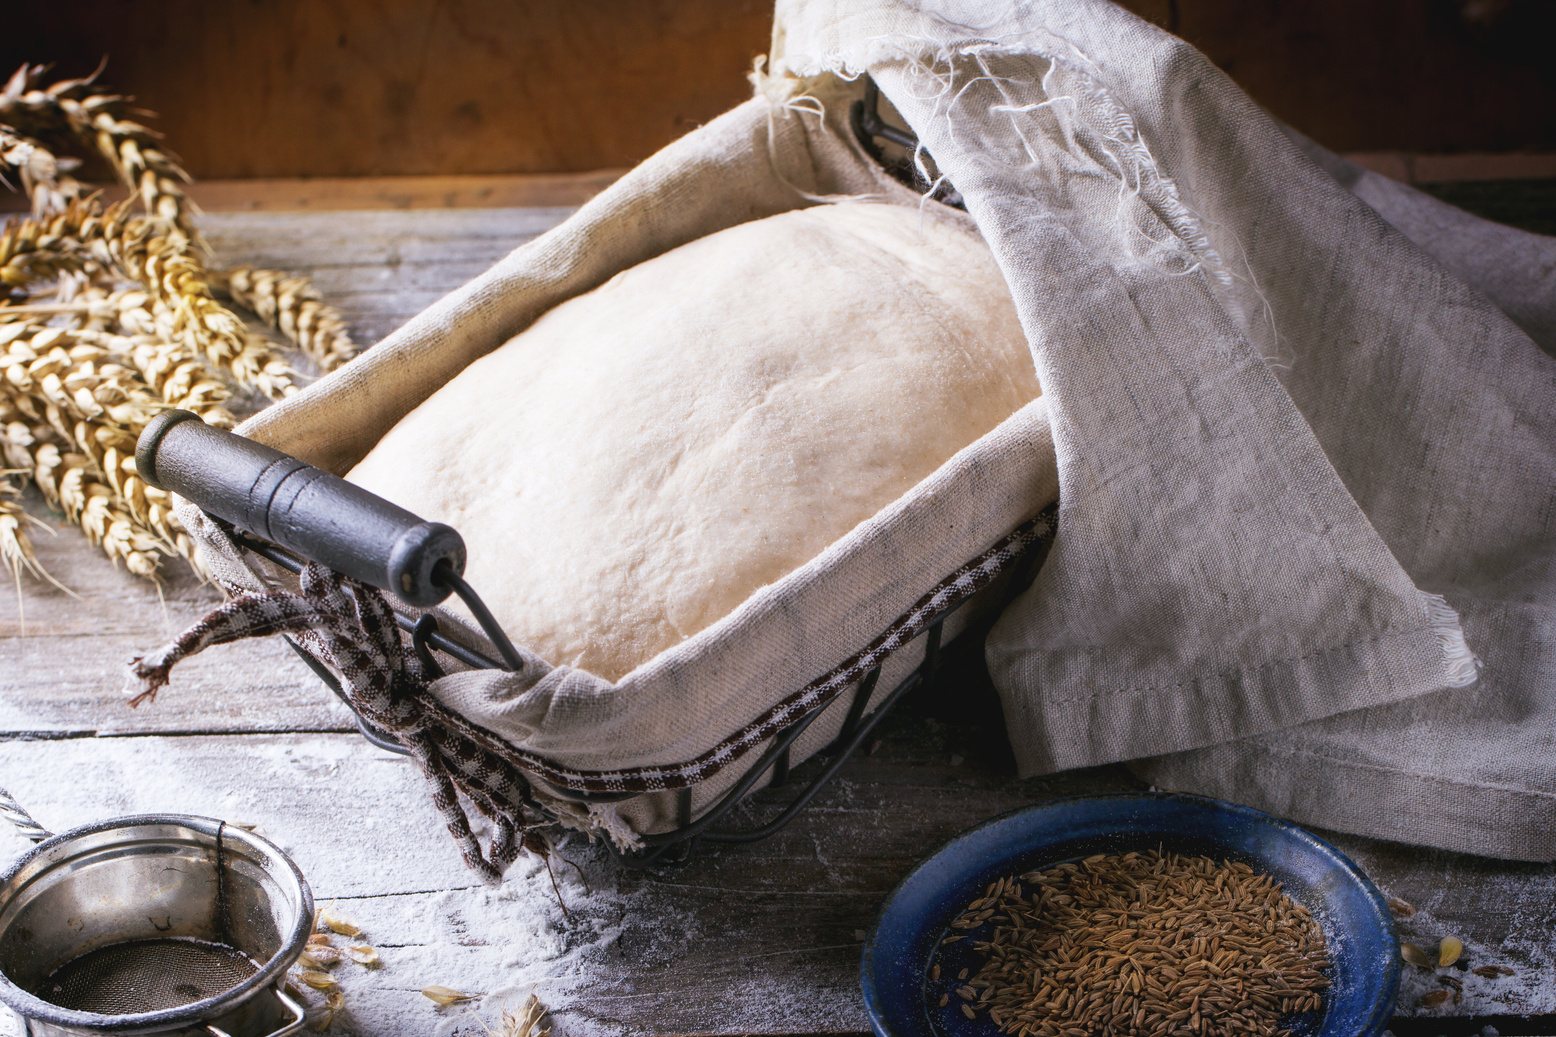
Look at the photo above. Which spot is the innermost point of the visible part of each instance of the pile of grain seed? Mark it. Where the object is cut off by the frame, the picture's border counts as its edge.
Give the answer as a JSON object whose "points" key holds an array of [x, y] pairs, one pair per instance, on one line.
{"points": [[1140, 944]]}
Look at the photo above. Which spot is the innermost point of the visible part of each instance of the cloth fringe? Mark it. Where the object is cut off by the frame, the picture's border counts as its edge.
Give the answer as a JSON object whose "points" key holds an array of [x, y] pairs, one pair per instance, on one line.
{"points": [[351, 627], [1460, 663]]}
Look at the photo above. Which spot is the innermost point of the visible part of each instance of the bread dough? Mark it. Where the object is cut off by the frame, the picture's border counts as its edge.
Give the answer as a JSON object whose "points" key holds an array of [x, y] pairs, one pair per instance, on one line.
{"points": [[634, 465]]}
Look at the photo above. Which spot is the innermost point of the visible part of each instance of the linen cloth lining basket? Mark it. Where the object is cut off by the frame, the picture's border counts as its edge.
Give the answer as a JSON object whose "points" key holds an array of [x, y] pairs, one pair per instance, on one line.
{"points": [[655, 751]]}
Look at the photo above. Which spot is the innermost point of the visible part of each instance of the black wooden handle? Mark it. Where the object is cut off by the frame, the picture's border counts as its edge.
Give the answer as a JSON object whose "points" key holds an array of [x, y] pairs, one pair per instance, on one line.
{"points": [[317, 515]]}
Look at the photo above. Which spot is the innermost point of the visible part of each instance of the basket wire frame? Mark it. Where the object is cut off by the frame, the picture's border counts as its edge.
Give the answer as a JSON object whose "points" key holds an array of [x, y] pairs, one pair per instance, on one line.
{"points": [[776, 760]]}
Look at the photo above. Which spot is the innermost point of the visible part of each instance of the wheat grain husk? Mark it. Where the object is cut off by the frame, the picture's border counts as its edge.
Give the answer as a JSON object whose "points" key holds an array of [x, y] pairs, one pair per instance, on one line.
{"points": [[74, 109], [38, 248], [291, 305], [42, 174], [185, 311], [16, 550]]}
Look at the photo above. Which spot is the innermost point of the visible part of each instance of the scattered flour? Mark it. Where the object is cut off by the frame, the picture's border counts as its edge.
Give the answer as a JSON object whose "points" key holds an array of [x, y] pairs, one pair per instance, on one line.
{"points": [[1530, 990], [359, 825]]}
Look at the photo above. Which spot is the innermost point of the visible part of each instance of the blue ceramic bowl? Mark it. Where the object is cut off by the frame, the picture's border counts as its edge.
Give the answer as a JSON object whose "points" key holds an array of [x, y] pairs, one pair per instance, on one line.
{"points": [[917, 915]]}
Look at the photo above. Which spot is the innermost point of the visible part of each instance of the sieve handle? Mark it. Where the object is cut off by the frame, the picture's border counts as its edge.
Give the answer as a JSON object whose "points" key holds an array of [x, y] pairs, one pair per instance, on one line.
{"points": [[23, 821], [298, 1015], [310, 512]]}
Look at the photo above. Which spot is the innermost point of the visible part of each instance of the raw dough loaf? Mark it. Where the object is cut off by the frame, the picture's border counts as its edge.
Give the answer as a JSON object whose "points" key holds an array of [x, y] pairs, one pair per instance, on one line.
{"points": [[634, 465]]}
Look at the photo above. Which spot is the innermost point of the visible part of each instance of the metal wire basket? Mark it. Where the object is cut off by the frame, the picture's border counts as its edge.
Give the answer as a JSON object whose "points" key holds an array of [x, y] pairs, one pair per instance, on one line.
{"points": [[290, 514], [774, 763], [280, 509]]}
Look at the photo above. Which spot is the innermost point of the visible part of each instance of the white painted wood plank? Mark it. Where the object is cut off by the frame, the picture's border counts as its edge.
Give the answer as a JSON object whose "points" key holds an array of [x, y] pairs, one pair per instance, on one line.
{"points": [[63, 659], [386, 239], [317, 229], [358, 820], [757, 939], [359, 823]]}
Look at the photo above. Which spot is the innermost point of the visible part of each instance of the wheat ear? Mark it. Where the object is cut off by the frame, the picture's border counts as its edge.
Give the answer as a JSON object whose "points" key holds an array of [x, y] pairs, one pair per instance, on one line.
{"points": [[38, 248], [69, 481], [43, 174], [16, 550], [291, 305], [68, 384], [73, 108], [184, 309]]}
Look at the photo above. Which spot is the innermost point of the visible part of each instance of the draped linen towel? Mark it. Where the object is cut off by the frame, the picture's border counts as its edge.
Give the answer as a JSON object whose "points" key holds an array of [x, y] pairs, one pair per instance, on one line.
{"points": [[1297, 437]]}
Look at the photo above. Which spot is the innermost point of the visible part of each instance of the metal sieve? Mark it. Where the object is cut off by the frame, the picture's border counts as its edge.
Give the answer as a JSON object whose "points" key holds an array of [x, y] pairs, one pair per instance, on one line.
{"points": [[163, 924]]}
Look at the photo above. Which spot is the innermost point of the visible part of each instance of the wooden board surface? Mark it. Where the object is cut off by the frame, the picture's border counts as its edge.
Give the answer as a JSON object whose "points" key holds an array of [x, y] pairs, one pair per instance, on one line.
{"points": [[334, 194], [758, 939]]}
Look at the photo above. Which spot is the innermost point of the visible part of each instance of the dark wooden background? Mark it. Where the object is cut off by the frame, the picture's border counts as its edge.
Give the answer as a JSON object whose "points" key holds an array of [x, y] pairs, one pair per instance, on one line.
{"points": [[332, 88]]}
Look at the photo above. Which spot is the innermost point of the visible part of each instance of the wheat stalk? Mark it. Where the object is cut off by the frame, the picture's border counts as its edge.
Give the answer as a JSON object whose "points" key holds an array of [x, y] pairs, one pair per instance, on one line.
{"points": [[40, 248], [43, 175], [114, 530], [75, 371], [121, 322], [180, 379], [162, 251], [71, 108], [73, 483], [85, 390], [184, 310], [290, 304], [85, 361], [70, 482], [69, 383]]}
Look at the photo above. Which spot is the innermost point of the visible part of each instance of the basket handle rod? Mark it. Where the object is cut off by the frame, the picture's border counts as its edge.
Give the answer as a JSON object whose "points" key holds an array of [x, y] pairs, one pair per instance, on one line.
{"points": [[308, 511]]}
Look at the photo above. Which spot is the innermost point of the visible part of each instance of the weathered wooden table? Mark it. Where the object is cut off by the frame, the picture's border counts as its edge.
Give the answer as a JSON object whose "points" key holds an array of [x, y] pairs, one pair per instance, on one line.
{"points": [[756, 939]]}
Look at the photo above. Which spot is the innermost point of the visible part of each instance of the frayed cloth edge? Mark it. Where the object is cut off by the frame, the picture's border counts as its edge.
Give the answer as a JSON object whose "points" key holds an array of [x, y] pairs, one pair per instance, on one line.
{"points": [[1461, 666], [606, 819]]}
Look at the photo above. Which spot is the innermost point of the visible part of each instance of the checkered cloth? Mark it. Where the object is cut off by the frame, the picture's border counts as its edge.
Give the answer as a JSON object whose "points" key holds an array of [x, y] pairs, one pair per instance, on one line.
{"points": [[349, 626]]}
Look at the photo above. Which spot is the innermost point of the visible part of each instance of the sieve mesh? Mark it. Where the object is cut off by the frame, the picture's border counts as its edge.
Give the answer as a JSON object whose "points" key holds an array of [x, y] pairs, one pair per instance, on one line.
{"points": [[146, 976]]}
